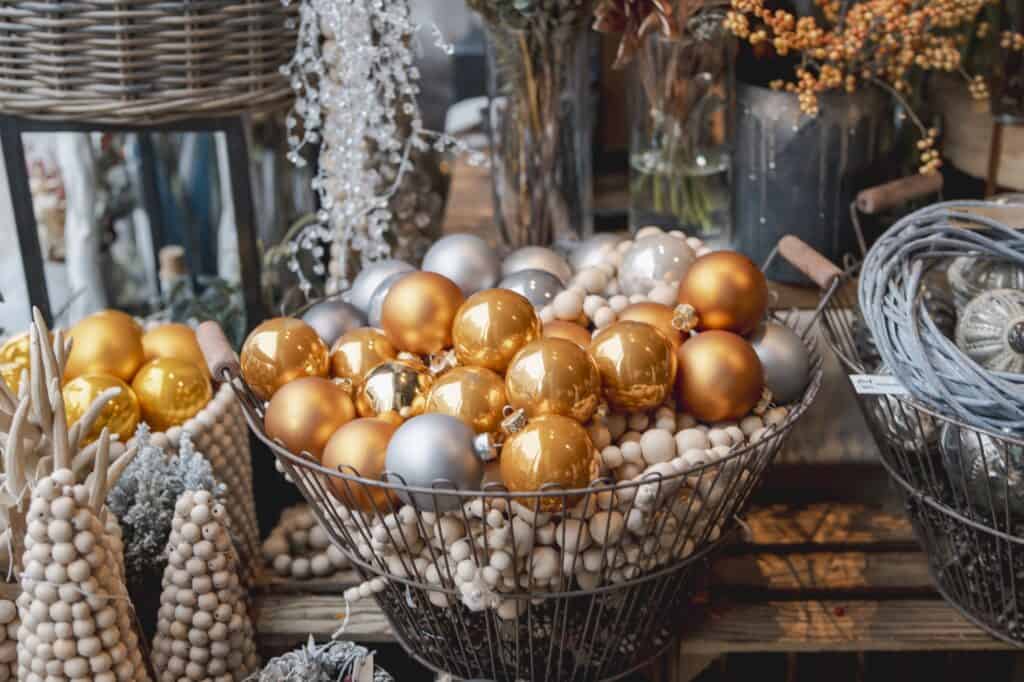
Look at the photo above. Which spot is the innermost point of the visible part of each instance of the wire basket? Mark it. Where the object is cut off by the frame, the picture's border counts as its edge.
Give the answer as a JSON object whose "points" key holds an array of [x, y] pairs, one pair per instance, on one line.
{"points": [[143, 61], [569, 613], [963, 486]]}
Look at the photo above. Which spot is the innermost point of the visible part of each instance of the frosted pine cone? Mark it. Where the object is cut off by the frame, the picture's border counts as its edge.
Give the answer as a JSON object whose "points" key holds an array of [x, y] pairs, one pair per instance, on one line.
{"points": [[204, 630]]}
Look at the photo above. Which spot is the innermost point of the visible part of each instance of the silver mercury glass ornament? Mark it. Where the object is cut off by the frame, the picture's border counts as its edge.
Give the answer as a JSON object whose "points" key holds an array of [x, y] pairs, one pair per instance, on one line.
{"points": [[786, 363], [538, 286], [367, 281], [653, 260], [593, 251], [988, 471], [465, 259], [332, 318], [436, 451], [536, 258]]}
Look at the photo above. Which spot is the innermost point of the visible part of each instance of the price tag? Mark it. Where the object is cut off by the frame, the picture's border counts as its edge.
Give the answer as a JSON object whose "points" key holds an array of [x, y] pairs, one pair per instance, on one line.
{"points": [[877, 384]]}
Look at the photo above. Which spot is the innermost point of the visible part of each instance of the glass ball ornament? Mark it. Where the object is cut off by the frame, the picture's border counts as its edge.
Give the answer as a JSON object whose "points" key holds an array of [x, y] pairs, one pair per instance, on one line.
{"points": [[279, 351], [538, 286], [170, 392], [120, 415], [332, 318], [465, 259], [369, 278], [536, 258], [174, 340], [653, 260], [637, 365], [786, 362], [492, 326], [105, 343]]}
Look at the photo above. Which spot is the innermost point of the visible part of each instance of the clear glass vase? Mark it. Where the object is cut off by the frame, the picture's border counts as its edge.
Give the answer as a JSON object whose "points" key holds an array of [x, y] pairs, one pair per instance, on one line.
{"points": [[682, 95], [540, 126]]}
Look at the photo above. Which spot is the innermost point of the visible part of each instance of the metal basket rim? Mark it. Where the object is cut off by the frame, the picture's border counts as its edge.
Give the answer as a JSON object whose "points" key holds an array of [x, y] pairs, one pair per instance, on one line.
{"points": [[307, 461]]}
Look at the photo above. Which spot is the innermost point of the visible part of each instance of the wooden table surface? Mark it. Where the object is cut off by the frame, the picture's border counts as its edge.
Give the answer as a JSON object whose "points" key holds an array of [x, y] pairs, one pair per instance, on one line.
{"points": [[829, 561]]}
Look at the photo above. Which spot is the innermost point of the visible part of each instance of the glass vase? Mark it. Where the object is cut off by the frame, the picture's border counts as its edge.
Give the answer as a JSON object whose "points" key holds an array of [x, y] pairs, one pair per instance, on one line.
{"points": [[540, 126], [682, 94]]}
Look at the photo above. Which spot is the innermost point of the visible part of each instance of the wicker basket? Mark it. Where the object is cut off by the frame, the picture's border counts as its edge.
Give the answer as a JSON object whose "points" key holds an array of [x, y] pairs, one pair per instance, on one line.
{"points": [[143, 61]]}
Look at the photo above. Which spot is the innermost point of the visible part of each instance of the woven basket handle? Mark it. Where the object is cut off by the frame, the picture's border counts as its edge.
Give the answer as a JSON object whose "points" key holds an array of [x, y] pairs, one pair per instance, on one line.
{"points": [[804, 258], [898, 192], [220, 358]]}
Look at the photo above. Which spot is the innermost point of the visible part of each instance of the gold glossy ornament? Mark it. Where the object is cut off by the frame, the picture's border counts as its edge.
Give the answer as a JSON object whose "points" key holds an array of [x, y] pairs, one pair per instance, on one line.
{"points": [[637, 365], [359, 448], [657, 315], [418, 312], [475, 395], [170, 392], [281, 350], [491, 326], [394, 391], [121, 317], [359, 351], [570, 331], [105, 343], [174, 340], [720, 377], [550, 450], [727, 290], [554, 376], [121, 414], [305, 413], [10, 372]]}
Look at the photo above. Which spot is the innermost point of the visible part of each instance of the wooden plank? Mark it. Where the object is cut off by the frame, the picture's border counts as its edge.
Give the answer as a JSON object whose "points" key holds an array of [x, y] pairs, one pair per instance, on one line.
{"points": [[287, 620], [818, 525], [807, 626], [819, 573]]}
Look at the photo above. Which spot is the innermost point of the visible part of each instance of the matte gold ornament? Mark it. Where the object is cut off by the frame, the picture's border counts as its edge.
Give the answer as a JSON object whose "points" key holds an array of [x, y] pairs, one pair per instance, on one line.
{"points": [[637, 365], [554, 376], [170, 392], [174, 340], [491, 326], [394, 391], [658, 316], [475, 395], [359, 351], [120, 416], [121, 317], [359, 448], [727, 291], [570, 331], [281, 350], [419, 310], [305, 413], [105, 343], [550, 450], [720, 377]]}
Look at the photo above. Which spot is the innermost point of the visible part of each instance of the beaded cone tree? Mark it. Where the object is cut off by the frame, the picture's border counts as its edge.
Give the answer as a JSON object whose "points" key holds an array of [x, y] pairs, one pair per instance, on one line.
{"points": [[76, 621], [203, 631]]}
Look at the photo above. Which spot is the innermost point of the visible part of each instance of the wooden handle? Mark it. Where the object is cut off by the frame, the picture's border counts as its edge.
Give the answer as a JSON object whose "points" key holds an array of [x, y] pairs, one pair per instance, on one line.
{"points": [[217, 350], [804, 258], [892, 194]]}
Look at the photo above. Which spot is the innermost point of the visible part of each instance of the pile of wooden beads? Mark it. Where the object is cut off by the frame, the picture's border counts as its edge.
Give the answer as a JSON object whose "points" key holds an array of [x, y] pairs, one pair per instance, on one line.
{"points": [[203, 629], [76, 618], [594, 292], [219, 432], [300, 548], [9, 625]]}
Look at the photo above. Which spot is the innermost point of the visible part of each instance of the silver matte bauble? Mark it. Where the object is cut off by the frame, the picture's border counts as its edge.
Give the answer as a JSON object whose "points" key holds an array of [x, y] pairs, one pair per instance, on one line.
{"points": [[466, 260], [538, 286], [536, 258], [593, 251], [434, 451], [332, 318], [786, 363], [377, 299], [987, 471], [654, 260], [369, 279]]}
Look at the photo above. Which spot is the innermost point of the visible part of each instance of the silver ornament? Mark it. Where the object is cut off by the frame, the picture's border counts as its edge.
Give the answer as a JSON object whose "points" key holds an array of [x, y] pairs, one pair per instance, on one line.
{"points": [[991, 330], [987, 471], [786, 363], [332, 318], [538, 286], [536, 258], [369, 279], [466, 260], [593, 251], [373, 311], [905, 427], [654, 260], [434, 451]]}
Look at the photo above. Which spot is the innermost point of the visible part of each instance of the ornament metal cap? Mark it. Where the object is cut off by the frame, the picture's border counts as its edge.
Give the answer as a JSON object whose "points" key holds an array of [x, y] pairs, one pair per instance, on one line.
{"points": [[764, 403], [439, 363], [514, 421], [685, 318], [486, 447]]}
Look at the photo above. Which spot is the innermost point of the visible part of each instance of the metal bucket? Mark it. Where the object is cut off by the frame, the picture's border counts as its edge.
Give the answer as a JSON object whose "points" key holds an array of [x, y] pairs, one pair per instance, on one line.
{"points": [[794, 174]]}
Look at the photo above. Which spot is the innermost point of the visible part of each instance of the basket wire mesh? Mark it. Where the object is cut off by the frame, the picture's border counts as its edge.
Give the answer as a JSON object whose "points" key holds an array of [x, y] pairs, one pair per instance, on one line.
{"points": [[963, 486], [549, 627]]}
